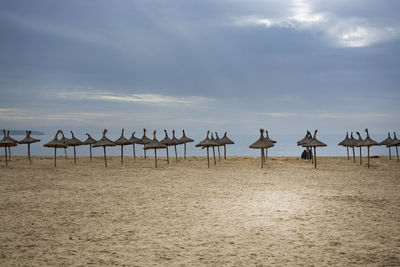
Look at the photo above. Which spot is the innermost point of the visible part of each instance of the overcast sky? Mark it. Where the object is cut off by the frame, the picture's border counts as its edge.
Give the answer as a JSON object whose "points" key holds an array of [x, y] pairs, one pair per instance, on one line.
{"points": [[224, 65]]}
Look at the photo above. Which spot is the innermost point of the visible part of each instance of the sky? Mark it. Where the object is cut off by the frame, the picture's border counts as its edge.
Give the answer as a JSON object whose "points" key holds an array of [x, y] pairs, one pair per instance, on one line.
{"points": [[233, 66]]}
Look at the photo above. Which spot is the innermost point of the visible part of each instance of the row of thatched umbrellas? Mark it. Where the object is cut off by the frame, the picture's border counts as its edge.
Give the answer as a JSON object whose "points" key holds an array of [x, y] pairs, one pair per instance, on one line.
{"points": [[351, 142]]}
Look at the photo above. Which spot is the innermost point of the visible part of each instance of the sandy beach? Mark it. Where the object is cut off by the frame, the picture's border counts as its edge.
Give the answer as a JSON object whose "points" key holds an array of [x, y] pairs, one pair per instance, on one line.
{"points": [[233, 214]]}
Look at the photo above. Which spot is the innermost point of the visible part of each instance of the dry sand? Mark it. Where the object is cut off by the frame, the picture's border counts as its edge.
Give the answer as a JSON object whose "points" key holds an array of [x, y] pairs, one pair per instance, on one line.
{"points": [[233, 214]]}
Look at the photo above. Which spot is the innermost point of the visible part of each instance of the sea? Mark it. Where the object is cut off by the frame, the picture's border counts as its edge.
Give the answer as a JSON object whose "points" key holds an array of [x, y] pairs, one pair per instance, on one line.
{"points": [[286, 146]]}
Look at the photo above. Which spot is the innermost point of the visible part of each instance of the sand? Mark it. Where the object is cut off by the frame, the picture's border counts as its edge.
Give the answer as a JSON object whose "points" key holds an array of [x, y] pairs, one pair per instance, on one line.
{"points": [[184, 214]]}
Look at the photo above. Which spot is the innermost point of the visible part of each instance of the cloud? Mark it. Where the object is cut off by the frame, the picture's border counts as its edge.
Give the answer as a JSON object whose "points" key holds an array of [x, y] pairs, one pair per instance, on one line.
{"points": [[134, 98], [340, 31], [331, 116]]}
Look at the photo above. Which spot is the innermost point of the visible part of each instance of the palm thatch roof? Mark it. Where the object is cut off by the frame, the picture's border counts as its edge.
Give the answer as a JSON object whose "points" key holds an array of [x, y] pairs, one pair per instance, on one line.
{"points": [[307, 138], [5, 142], [314, 142], [134, 139], [345, 141], [358, 142], [144, 140], [387, 141], [10, 138], [352, 141], [28, 139], [207, 142], [395, 142], [89, 140], [104, 141], [154, 144], [261, 142], [122, 141], [368, 141], [73, 141], [55, 143], [226, 141], [267, 138], [167, 141], [175, 140], [184, 139]]}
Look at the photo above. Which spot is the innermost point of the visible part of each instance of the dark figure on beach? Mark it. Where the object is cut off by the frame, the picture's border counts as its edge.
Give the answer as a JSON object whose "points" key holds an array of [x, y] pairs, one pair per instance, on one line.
{"points": [[306, 154]]}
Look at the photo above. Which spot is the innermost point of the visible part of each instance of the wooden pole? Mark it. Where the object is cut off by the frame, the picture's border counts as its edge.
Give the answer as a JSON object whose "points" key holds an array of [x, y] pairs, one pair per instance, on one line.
{"points": [[262, 157], [9, 153], [215, 162], [224, 151], [5, 153], [122, 155], [144, 151], [390, 153], [219, 154], [348, 153], [74, 154], [360, 157], [167, 155], [208, 157], [184, 145], [155, 156], [55, 157], [368, 155], [105, 156], [65, 152], [176, 154], [90, 145], [29, 153], [397, 152], [315, 157], [354, 156]]}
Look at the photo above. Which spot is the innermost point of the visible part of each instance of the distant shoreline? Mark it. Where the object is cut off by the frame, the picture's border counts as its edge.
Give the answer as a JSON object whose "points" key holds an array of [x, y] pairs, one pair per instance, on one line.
{"points": [[22, 132]]}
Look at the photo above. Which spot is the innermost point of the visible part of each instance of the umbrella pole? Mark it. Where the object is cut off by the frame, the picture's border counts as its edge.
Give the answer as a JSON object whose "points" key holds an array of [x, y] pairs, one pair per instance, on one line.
{"points": [[397, 152], [105, 156], [225, 151], [90, 152], [167, 155], [390, 153], [348, 153], [315, 157], [29, 153], [144, 152], [208, 158], [215, 162], [184, 145], [9, 153], [5, 153], [266, 154], [134, 152], [354, 156], [122, 155], [65, 152], [176, 154], [262, 157], [55, 157], [155, 156], [219, 154], [368, 155], [360, 157], [74, 154]]}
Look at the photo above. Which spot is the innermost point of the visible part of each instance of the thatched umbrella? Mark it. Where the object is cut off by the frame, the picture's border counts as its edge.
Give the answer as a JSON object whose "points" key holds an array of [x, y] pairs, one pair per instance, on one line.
{"points": [[65, 141], [74, 142], [270, 140], [359, 144], [215, 143], [154, 144], [315, 143], [175, 142], [396, 143], [9, 138], [167, 142], [184, 139], [226, 141], [368, 142], [352, 143], [55, 143], [345, 143], [144, 141], [387, 142], [307, 138], [6, 143], [206, 143], [104, 142], [28, 140], [90, 141], [122, 141], [134, 140], [261, 143], [218, 140]]}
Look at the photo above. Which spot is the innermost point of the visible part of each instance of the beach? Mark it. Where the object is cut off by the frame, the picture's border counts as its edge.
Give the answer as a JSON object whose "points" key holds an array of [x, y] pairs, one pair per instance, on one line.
{"points": [[184, 214]]}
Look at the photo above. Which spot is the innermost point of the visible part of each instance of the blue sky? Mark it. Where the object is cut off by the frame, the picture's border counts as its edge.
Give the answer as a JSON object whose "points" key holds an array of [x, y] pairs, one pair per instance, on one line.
{"points": [[224, 65]]}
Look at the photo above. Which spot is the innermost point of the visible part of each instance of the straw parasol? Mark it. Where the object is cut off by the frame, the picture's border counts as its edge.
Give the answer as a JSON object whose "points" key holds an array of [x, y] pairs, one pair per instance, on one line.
{"points": [[175, 142], [122, 141], [184, 139], [28, 140], [387, 142], [396, 143], [9, 138], [55, 143], [167, 142], [352, 144], [226, 141], [315, 143], [368, 142], [307, 138], [207, 143], [144, 141], [261, 143], [104, 142], [345, 143], [358, 143], [270, 140], [134, 140], [218, 140], [64, 140], [6, 143], [154, 144], [74, 142], [90, 141]]}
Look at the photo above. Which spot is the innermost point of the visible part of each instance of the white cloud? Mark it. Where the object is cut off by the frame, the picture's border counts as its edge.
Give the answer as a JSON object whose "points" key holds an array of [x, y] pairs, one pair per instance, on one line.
{"points": [[134, 98], [341, 31]]}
